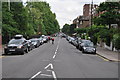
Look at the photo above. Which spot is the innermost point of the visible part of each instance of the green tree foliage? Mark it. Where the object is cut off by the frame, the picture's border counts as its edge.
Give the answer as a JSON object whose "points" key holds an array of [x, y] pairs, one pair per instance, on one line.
{"points": [[27, 20], [9, 25], [110, 14], [117, 41], [69, 29], [42, 18], [66, 29]]}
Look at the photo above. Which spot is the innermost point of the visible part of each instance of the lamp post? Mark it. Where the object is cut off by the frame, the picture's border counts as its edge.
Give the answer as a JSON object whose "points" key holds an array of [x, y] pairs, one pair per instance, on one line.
{"points": [[91, 13], [9, 5]]}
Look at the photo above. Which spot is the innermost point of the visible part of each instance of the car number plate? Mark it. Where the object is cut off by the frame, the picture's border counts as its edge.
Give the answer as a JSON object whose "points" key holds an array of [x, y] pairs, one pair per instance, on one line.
{"points": [[12, 50]]}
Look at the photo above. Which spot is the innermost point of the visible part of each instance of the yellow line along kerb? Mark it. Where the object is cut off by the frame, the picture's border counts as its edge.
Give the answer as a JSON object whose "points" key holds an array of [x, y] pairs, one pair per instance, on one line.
{"points": [[2, 56]]}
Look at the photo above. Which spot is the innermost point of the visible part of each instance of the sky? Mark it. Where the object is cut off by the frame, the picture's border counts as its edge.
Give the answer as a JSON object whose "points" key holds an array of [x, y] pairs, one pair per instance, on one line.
{"points": [[67, 10]]}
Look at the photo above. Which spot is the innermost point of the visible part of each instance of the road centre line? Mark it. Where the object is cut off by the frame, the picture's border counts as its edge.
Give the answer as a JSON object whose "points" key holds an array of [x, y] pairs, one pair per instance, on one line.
{"points": [[54, 76], [56, 50], [35, 75], [54, 56]]}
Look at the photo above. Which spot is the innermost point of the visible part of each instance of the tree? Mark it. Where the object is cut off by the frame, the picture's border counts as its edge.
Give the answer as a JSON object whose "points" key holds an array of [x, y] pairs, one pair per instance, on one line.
{"points": [[110, 14], [66, 29], [43, 20]]}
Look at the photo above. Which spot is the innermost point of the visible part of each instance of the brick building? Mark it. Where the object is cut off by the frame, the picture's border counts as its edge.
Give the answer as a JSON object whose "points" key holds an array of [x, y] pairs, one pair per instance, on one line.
{"points": [[85, 19]]}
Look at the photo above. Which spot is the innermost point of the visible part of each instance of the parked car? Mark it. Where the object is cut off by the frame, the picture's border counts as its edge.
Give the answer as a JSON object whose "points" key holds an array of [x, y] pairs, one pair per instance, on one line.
{"points": [[89, 47], [35, 42], [82, 42], [78, 42], [18, 36], [45, 39], [74, 42], [70, 39], [16, 46], [30, 45], [41, 40]]}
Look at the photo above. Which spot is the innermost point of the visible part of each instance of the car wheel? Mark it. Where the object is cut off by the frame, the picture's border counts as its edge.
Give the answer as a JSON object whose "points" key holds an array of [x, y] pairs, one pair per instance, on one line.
{"points": [[77, 47], [94, 52], [6, 53], [22, 53], [80, 49], [26, 50], [36, 46], [83, 51]]}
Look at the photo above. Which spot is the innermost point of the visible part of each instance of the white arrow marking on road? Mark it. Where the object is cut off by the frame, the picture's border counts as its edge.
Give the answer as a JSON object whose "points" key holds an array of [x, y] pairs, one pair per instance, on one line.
{"points": [[54, 76], [48, 66], [35, 75], [45, 75], [53, 73]]}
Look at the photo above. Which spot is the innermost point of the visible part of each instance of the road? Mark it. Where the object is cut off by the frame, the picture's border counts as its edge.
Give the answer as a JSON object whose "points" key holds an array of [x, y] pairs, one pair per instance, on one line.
{"points": [[58, 60]]}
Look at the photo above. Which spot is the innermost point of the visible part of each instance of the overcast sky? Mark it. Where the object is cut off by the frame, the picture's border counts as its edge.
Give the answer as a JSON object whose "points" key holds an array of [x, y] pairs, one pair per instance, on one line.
{"points": [[67, 10]]}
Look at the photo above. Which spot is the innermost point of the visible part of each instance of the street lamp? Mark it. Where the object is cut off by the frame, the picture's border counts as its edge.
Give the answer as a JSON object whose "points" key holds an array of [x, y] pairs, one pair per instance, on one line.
{"points": [[9, 5], [91, 13]]}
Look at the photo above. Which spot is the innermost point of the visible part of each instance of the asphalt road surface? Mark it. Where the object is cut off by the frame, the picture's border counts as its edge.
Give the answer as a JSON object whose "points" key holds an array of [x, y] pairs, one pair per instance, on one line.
{"points": [[58, 60]]}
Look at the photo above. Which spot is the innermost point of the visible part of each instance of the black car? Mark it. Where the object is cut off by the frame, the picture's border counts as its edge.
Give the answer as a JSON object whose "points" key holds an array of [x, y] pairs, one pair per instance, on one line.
{"points": [[89, 47], [81, 43], [30, 45], [18, 46], [35, 42]]}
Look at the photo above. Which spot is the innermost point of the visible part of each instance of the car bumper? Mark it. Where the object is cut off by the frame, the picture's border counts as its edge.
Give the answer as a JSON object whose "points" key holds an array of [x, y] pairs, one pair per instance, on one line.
{"points": [[17, 50], [90, 51]]}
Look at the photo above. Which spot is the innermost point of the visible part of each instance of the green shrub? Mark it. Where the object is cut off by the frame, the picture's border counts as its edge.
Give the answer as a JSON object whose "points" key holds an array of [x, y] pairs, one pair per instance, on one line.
{"points": [[117, 41]]}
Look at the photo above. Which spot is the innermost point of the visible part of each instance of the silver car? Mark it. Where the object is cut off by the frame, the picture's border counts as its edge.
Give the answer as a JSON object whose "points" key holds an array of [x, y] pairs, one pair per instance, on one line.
{"points": [[89, 47]]}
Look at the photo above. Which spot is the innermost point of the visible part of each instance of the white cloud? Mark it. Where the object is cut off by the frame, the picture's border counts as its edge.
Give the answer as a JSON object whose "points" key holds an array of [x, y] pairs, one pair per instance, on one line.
{"points": [[67, 10]]}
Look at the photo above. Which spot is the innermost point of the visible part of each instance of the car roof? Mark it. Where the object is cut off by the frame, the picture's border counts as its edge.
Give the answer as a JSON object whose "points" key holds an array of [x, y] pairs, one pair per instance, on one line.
{"points": [[34, 39]]}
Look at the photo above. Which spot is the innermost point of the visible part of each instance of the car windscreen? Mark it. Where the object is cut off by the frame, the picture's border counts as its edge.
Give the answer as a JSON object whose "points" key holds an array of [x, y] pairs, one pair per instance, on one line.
{"points": [[15, 42], [40, 38], [85, 41], [33, 40], [89, 45]]}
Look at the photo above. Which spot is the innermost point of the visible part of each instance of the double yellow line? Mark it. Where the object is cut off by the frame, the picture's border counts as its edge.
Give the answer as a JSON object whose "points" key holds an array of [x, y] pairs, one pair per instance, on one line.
{"points": [[103, 58], [2, 56]]}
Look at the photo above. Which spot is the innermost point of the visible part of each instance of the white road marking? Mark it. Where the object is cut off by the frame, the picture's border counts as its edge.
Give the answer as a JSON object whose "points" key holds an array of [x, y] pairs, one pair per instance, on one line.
{"points": [[54, 75], [54, 56], [49, 70], [45, 75], [35, 75], [48, 66], [56, 50]]}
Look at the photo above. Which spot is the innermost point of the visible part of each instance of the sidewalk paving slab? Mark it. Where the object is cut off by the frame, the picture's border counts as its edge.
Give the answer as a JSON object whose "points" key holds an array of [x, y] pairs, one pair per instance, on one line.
{"points": [[108, 54]]}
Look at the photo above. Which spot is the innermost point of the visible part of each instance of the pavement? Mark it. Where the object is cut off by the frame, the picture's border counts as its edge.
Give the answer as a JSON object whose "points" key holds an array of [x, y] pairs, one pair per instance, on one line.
{"points": [[108, 54], [1, 50], [58, 60]]}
